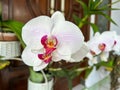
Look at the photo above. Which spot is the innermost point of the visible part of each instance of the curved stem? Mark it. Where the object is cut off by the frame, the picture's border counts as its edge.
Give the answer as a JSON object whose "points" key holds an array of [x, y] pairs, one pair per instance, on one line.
{"points": [[46, 81], [83, 20], [44, 76]]}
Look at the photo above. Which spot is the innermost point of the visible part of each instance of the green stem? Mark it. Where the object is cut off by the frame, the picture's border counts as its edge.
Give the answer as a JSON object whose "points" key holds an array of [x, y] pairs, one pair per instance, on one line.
{"points": [[69, 83], [77, 70], [83, 20], [55, 69], [46, 81]]}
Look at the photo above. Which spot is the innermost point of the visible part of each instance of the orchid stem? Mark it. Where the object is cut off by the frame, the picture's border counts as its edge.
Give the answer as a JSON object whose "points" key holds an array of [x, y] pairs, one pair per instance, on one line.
{"points": [[46, 81]]}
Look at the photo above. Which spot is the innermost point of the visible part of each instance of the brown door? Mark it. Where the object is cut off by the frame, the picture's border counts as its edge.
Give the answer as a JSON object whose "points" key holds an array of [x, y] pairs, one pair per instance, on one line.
{"points": [[14, 77]]}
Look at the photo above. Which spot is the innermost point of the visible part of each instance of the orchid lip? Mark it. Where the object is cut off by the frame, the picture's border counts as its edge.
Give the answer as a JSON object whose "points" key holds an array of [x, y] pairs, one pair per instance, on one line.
{"points": [[49, 42], [45, 57], [102, 46]]}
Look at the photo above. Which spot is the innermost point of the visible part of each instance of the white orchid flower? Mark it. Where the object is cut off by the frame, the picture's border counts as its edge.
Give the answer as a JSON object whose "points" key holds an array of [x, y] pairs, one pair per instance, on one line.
{"points": [[95, 76], [52, 39], [93, 44], [101, 44], [116, 47]]}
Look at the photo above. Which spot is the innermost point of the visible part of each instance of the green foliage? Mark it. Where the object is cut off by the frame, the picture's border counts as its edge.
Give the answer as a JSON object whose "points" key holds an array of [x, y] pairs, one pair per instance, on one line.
{"points": [[14, 26], [88, 71], [38, 77], [93, 7], [108, 64], [10, 26], [4, 64], [70, 74]]}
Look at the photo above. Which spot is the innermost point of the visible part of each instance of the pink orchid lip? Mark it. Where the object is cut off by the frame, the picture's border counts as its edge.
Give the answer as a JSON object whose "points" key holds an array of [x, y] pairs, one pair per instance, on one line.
{"points": [[49, 42], [49, 50], [45, 57], [43, 40], [102, 46]]}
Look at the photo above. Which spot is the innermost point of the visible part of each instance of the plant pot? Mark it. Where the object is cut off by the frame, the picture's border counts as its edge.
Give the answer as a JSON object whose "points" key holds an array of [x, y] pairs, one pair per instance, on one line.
{"points": [[10, 49], [40, 86], [9, 45], [8, 37]]}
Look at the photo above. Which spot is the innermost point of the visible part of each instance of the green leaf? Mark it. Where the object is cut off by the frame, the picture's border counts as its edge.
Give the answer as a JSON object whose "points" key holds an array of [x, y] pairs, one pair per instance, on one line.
{"points": [[88, 71], [36, 76], [4, 64], [84, 6], [108, 64], [83, 21], [58, 72], [15, 27], [95, 27], [103, 14], [97, 3], [77, 19], [91, 4]]}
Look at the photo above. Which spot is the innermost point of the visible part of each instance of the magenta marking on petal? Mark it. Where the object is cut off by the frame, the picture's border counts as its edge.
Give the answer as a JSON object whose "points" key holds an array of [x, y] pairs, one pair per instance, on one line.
{"points": [[115, 42], [48, 60], [40, 56], [43, 40], [45, 57], [49, 50]]}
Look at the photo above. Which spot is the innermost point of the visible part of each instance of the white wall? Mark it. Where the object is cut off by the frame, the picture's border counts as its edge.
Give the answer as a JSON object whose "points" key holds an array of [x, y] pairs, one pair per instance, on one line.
{"points": [[115, 15]]}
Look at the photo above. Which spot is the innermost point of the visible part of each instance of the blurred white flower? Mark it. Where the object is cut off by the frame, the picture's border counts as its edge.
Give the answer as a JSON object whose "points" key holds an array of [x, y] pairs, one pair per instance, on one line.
{"points": [[101, 45], [95, 76], [116, 47]]}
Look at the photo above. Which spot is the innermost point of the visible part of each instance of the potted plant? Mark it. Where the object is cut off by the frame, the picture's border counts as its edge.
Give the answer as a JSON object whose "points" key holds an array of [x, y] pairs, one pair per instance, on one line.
{"points": [[9, 44], [45, 42]]}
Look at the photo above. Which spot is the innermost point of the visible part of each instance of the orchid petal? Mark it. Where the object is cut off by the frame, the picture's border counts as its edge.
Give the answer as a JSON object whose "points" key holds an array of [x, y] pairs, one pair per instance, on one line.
{"points": [[80, 54], [93, 75], [93, 61], [70, 38], [89, 56], [56, 56], [57, 16], [40, 66], [93, 44], [97, 75], [104, 56], [30, 58], [107, 38], [116, 47], [36, 28]]}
